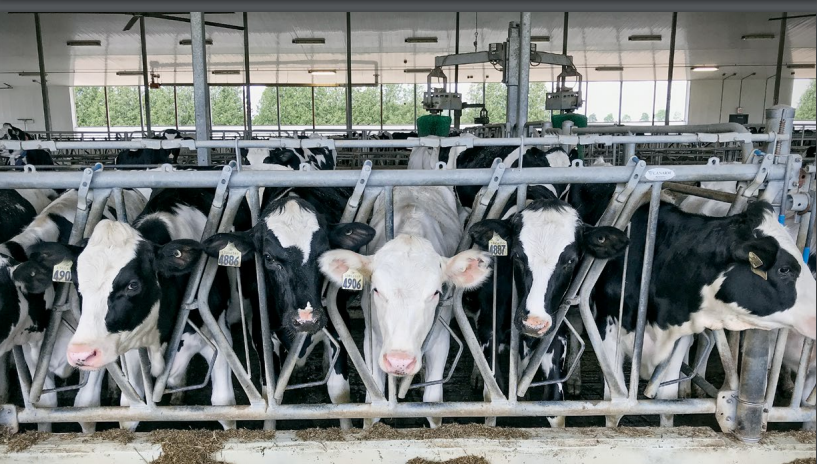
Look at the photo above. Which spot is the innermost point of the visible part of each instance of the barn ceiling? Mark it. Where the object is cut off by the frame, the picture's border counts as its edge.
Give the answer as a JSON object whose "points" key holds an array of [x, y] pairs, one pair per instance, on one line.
{"points": [[379, 47]]}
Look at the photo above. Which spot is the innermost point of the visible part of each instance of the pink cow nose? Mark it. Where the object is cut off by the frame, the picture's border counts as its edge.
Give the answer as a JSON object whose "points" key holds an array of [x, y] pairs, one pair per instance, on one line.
{"points": [[305, 315], [82, 355], [537, 323], [399, 362]]}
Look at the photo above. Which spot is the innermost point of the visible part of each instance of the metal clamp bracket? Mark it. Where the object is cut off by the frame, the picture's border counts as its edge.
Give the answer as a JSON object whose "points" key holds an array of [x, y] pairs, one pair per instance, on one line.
{"points": [[360, 186], [635, 177], [85, 185], [221, 188], [499, 170], [762, 174], [726, 409]]}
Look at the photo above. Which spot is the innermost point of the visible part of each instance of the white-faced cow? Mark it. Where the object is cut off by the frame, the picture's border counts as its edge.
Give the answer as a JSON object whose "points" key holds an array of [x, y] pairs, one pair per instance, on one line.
{"points": [[408, 277], [294, 231], [132, 279]]}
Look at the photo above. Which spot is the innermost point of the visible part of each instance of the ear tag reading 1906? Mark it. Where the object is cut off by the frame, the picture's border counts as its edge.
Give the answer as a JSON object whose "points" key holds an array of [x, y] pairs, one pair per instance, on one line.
{"points": [[62, 271], [229, 256], [352, 280], [497, 246]]}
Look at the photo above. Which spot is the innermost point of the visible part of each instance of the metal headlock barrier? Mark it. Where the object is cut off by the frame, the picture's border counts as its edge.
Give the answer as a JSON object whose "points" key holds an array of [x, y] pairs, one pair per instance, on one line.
{"points": [[742, 404]]}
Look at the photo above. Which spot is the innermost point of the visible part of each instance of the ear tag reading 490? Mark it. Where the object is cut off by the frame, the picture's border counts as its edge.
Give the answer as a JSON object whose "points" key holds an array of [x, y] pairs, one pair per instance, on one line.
{"points": [[497, 246], [352, 280], [62, 271], [229, 256]]}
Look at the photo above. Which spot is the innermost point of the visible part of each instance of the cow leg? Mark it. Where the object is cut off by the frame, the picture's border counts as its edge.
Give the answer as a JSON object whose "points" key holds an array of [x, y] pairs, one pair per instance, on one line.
{"points": [[191, 344], [696, 390], [553, 367], [90, 395], [133, 370], [4, 378], [338, 384], [573, 385], [222, 378], [670, 392], [609, 349], [786, 382], [31, 352], [811, 380], [435, 359]]}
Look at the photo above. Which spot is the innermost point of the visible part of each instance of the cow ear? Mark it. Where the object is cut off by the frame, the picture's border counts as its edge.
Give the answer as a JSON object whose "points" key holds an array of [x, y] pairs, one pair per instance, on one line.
{"points": [[603, 242], [35, 275], [350, 236], [50, 253], [178, 257], [482, 232], [468, 269], [241, 240], [760, 253], [335, 263]]}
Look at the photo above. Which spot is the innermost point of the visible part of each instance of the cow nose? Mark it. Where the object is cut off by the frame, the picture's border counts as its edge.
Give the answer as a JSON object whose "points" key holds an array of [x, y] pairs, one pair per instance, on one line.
{"points": [[306, 315], [82, 355], [399, 362], [537, 323]]}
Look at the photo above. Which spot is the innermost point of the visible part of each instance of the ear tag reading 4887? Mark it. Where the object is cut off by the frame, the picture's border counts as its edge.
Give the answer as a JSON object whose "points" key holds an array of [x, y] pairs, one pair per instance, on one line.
{"points": [[497, 246]]}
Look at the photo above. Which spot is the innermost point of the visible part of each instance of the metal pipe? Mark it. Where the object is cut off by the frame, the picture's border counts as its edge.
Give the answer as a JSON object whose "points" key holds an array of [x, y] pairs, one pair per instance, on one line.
{"points": [[777, 362], [107, 111], [671, 66], [728, 361], [349, 76], [620, 98], [145, 82], [247, 101], [313, 108], [512, 79], [378, 178], [802, 373], [43, 85], [457, 114], [646, 274], [752, 389], [176, 106], [725, 197], [201, 91], [289, 366], [694, 128], [723, 86], [388, 200], [278, 107], [373, 410], [524, 71], [480, 362], [778, 74]]}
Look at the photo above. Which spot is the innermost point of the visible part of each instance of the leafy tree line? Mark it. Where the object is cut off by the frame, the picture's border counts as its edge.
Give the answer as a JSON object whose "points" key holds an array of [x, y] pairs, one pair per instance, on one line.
{"points": [[807, 106]]}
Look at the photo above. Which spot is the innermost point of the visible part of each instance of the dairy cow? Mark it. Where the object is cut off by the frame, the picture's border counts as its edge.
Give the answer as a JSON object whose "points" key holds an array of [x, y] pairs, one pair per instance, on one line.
{"points": [[152, 156], [34, 157]]}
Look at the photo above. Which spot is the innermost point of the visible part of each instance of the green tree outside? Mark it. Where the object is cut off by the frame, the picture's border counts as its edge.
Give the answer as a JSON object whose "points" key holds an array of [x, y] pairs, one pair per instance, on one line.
{"points": [[807, 106], [89, 104]]}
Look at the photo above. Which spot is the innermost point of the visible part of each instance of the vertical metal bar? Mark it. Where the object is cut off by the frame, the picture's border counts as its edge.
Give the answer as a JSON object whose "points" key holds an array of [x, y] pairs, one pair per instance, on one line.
{"points": [[778, 74], [564, 33], [457, 114], [512, 80], [23, 374], [620, 96], [107, 112], [278, 107], [289, 367], [176, 106], [247, 100], [524, 71], [389, 203], [141, 113], [43, 85], [802, 372], [777, 362], [414, 99], [145, 82], [671, 66], [313, 109], [654, 94], [752, 389], [646, 274], [201, 91], [381, 106], [349, 74]]}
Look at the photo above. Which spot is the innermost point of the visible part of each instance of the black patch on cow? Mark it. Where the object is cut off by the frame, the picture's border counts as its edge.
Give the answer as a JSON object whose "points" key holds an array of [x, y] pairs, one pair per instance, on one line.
{"points": [[154, 230], [9, 303], [15, 214], [64, 227], [135, 290], [16, 251]]}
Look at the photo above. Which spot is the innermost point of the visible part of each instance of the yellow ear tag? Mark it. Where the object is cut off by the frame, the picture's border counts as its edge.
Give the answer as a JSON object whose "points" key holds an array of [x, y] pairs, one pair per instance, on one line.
{"points": [[62, 271], [229, 256], [497, 246], [755, 260], [352, 280]]}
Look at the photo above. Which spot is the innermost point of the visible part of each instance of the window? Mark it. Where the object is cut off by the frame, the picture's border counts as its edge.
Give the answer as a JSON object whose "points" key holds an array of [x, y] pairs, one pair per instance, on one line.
{"points": [[803, 100], [89, 107], [330, 106], [398, 105], [637, 102], [227, 106], [602, 102], [162, 108], [124, 107], [537, 95], [366, 106], [296, 106], [265, 106], [678, 103], [186, 106]]}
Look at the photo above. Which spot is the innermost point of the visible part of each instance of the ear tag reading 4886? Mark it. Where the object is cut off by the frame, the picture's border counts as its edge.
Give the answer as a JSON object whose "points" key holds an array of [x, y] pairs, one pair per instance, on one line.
{"points": [[229, 256], [497, 246], [62, 271]]}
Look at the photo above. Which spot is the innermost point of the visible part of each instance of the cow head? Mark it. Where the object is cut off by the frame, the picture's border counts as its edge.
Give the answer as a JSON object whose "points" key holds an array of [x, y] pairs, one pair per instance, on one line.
{"points": [[289, 239], [407, 277], [766, 284], [120, 276], [545, 242]]}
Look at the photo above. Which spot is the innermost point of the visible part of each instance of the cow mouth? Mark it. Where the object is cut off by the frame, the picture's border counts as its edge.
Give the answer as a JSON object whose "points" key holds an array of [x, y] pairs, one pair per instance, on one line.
{"points": [[308, 320]]}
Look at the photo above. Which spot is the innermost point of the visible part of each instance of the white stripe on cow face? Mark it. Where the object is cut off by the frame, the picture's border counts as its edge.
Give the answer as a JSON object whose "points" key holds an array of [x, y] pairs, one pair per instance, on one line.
{"points": [[294, 226], [111, 247], [544, 235]]}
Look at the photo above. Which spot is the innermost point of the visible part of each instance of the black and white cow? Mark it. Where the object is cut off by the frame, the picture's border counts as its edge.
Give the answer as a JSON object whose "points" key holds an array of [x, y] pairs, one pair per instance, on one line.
{"points": [[34, 157], [143, 156], [24, 314], [131, 280], [295, 229], [407, 277], [702, 278]]}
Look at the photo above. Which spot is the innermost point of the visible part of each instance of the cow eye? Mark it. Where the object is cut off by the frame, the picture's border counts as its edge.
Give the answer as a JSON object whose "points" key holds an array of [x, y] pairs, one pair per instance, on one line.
{"points": [[601, 239], [375, 291], [133, 286], [177, 253], [570, 262], [785, 270]]}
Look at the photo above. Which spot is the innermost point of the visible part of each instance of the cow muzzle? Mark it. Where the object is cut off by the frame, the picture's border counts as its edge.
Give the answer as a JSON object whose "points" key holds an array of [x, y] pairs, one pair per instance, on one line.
{"points": [[534, 326], [308, 319], [84, 357], [400, 363]]}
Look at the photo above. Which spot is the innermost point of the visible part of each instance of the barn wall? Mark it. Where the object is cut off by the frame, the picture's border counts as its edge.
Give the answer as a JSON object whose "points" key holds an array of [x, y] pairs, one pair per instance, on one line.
{"points": [[27, 102], [705, 99]]}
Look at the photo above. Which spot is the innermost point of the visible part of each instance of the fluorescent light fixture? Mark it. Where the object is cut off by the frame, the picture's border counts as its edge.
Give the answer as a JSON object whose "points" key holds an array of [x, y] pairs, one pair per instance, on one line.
{"points": [[309, 41], [226, 72], [421, 40], [322, 72], [757, 36], [190, 42], [29, 74], [540, 38], [129, 73], [417, 70], [645, 38], [84, 43], [800, 65], [704, 68], [609, 68]]}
